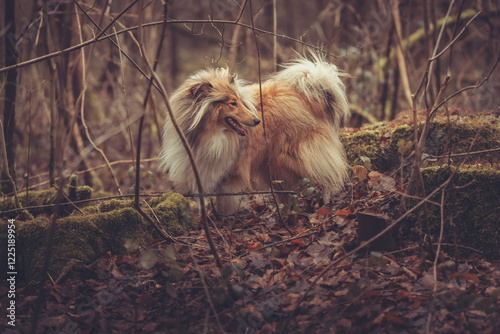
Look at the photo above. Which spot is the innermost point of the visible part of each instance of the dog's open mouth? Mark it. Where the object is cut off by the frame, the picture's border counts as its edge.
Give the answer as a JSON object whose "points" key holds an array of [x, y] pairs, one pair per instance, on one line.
{"points": [[237, 127]]}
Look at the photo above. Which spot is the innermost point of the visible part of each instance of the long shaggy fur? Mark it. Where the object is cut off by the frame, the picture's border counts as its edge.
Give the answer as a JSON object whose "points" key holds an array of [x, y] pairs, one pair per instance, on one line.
{"points": [[304, 106]]}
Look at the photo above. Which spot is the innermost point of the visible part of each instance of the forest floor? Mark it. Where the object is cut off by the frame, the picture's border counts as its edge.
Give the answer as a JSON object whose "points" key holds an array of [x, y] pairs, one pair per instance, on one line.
{"points": [[177, 288]]}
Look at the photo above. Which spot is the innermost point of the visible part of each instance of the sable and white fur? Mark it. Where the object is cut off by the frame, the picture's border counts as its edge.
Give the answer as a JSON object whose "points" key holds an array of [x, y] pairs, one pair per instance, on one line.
{"points": [[304, 106]]}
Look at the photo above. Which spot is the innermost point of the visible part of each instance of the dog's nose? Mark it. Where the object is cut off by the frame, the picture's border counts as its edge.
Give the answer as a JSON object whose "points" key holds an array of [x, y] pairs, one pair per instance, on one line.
{"points": [[256, 121]]}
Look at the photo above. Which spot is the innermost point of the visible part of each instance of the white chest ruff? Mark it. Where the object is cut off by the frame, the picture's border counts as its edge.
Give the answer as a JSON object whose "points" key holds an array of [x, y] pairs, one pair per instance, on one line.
{"points": [[215, 159]]}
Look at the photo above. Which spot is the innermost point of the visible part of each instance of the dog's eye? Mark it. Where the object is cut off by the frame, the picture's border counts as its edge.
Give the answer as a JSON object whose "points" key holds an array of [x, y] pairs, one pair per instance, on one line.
{"points": [[234, 104]]}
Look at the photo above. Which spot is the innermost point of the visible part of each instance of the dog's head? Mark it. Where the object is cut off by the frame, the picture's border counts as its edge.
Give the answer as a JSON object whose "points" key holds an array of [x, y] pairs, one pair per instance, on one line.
{"points": [[215, 98]]}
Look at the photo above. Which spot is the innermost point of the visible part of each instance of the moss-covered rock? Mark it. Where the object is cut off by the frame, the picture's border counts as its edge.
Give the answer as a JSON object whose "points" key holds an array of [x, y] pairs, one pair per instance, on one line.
{"points": [[79, 239], [447, 138], [385, 146], [475, 207], [363, 144]]}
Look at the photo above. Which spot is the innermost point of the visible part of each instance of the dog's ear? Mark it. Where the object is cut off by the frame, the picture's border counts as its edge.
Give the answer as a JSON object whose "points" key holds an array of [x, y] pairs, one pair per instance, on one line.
{"points": [[201, 89]]}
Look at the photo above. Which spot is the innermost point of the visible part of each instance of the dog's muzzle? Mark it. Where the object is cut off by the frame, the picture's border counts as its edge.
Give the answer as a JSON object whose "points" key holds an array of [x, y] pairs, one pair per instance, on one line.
{"points": [[241, 130]]}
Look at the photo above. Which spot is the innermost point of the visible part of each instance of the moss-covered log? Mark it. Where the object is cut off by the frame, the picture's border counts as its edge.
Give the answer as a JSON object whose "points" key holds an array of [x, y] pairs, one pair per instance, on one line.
{"points": [[474, 207], [386, 146], [446, 139], [41, 201], [79, 239], [361, 145]]}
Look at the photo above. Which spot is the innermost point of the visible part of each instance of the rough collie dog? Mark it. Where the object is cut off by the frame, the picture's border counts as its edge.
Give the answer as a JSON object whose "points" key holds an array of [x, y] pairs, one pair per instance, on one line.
{"points": [[304, 106]]}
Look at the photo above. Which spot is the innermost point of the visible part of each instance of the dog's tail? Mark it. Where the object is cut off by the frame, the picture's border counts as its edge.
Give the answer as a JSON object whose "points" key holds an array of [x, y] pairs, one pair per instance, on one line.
{"points": [[318, 80]]}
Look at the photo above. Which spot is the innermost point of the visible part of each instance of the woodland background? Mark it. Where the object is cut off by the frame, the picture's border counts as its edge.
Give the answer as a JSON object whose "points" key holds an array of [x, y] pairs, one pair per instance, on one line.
{"points": [[95, 94], [77, 100]]}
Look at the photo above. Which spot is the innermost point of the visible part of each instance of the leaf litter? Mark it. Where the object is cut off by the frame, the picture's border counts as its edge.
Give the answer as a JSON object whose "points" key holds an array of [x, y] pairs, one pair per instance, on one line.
{"points": [[176, 288]]}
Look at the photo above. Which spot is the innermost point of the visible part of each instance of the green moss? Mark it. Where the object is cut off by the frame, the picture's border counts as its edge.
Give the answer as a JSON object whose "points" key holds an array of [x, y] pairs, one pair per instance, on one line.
{"points": [[24, 215], [83, 193], [156, 200], [73, 184], [475, 207], [117, 226], [75, 240], [115, 204], [400, 136], [79, 239], [41, 200], [174, 212], [363, 144], [443, 138], [90, 209], [454, 139], [35, 198]]}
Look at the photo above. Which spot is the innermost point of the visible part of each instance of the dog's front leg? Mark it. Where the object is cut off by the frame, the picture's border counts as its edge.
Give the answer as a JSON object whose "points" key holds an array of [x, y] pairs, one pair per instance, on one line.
{"points": [[236, 183], [229, 205]]}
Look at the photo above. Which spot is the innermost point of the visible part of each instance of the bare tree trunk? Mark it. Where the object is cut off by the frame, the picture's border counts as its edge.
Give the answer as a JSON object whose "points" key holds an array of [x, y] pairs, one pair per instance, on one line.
{"points": [[9, 110], [174, 65], [400, 55], [394, 104], [437, 72], [429, 39], [67, 75], [385, 87]]}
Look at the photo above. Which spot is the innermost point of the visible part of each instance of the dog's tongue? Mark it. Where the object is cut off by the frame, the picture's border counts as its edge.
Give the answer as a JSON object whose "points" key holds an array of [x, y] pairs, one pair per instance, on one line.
{"points": [[242, 129], [237, 127]]}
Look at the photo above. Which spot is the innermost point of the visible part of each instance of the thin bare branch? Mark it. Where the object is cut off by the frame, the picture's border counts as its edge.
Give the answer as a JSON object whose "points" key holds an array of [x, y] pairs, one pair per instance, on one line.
{"points": [[115, 19], [458, 155], [68, 200], [152, 24], [201, 195], [455, 28], [440, 239], [46, 206], [207, 293], [450, 45], [357, 249], [469, 87], [263, 121], [82, 109], [146, 98], [115, 44], [436, 46]]}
